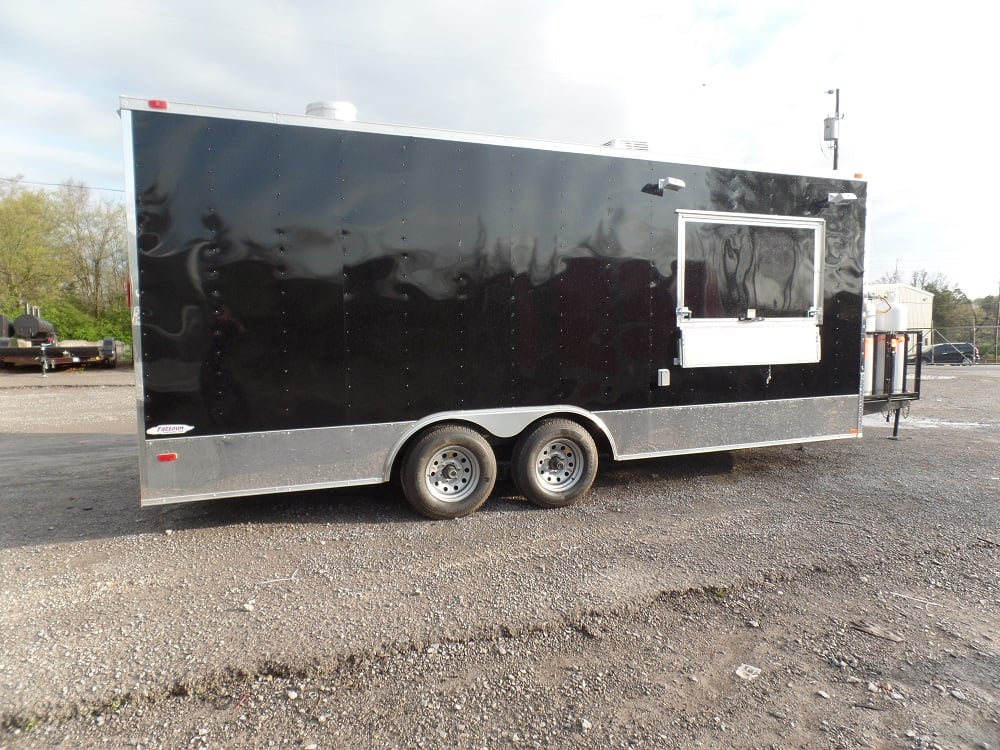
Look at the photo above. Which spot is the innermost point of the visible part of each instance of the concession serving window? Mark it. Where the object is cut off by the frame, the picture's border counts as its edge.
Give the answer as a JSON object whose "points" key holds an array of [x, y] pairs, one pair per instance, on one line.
{"points": [[749, 289]]}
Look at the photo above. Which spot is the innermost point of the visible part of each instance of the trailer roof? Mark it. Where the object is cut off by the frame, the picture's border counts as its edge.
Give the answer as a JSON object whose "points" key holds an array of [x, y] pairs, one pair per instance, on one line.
{"points": [[303, 120]]}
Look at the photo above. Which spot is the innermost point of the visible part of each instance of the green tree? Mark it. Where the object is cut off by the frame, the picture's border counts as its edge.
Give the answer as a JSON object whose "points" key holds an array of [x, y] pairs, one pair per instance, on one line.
{"points": [[988, 310], [64, 250], [951, 306], [91, 238], [890, 277], [32, 270], [70, 321]]}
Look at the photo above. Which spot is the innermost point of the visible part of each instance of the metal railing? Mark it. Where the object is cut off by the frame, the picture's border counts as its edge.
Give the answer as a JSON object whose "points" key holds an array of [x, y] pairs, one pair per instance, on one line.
{"points": [[892, 372], [892, 366]]}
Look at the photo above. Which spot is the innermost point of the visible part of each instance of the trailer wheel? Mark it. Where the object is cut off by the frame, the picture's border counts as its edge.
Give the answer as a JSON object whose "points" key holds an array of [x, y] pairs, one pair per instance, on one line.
{"points": [[554, 463], [449, 472]]}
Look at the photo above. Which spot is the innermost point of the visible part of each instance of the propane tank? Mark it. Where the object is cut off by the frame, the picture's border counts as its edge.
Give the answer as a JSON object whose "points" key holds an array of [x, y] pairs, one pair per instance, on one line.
{"points": [[871, 316], [898, 344], [892, 315], [869, 363], [878, 362]]}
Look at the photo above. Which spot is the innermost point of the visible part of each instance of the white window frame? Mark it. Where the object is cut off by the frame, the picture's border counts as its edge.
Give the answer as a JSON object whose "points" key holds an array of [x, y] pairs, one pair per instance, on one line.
{"points": [[719, 342]]}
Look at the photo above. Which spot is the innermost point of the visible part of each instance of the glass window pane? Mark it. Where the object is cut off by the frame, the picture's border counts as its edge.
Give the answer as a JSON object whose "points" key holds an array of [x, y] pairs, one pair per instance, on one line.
{"points": [[731, 268]]}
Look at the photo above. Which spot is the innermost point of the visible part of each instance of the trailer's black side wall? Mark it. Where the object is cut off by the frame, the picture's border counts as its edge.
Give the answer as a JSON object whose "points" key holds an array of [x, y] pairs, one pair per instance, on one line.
{"points": [[296, 277]]}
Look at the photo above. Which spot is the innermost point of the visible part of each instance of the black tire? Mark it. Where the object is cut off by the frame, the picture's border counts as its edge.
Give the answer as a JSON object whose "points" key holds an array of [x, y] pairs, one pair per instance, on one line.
{"points": [[554, 463], [448, 472]]}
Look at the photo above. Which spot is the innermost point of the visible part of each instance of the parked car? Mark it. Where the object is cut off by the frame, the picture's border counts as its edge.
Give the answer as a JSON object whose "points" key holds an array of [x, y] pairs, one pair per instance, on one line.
{"points": [[962, 353]]}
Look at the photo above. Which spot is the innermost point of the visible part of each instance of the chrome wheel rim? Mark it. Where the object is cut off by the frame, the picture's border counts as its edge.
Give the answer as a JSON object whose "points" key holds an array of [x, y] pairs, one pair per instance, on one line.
{"points": [[452, 474], [558, 464]]}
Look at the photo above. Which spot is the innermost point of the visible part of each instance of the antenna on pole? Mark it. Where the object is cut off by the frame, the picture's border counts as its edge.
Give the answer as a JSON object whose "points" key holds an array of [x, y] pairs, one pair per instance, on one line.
{"points": [[831, 127]]}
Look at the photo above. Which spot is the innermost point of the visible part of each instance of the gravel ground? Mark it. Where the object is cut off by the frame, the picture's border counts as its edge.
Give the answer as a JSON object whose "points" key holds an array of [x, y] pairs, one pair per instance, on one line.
{"points": [[842, 594]]}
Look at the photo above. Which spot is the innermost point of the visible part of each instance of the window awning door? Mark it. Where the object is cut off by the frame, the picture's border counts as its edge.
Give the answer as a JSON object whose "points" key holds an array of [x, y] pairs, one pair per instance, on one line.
{"points": [[749, 289]]}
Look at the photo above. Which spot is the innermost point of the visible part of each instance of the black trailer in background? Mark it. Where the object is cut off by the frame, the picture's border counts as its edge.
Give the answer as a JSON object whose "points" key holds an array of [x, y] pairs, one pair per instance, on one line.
{"points": [[30, 340], [320, 303]]}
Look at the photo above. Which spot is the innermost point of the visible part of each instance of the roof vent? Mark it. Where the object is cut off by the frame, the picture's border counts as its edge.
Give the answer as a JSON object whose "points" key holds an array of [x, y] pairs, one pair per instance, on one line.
{"points": [[629, 144], [344, 111]]}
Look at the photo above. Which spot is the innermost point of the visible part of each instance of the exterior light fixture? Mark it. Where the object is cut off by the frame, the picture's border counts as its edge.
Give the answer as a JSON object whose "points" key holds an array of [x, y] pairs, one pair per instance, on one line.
{"points": [[665, 183], [835, 199]]}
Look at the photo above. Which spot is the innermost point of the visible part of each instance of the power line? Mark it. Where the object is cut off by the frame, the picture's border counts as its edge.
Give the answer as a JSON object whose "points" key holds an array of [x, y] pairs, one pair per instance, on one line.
{"points": [[61, 184]]}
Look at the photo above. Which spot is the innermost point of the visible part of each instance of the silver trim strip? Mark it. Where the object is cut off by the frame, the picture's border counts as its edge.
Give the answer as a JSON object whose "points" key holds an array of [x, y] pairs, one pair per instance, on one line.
{"points": [[215, 466], [212, 466], [677, 430]]}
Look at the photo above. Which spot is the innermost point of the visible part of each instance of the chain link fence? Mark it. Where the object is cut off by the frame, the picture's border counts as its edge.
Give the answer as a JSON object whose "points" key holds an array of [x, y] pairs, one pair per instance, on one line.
{"points": [[985, 338]]}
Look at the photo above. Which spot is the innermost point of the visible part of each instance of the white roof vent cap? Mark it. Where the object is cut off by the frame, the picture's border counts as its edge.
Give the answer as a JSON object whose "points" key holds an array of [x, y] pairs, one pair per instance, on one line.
{"points": [[629, 144], [344, 111]]}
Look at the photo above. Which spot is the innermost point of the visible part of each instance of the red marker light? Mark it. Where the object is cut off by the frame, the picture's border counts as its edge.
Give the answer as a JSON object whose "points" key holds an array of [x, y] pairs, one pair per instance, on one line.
{"points": [[157, 103], [166, 457]]}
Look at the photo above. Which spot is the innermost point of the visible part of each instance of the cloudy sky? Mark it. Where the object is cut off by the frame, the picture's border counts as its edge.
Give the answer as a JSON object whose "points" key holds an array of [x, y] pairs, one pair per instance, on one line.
{"points": [[720, 80]]}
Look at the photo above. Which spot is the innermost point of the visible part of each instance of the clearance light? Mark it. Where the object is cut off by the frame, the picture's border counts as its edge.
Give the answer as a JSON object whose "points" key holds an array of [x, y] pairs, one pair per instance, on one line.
{"points": [[157, 103], [164, 458]]}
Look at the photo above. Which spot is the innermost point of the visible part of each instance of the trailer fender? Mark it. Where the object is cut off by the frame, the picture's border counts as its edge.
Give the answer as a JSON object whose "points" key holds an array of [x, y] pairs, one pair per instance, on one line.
{"points": [[499, 423]]}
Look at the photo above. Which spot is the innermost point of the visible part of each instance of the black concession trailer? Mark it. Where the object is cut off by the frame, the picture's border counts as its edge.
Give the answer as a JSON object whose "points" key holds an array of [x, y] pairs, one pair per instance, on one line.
{"points": [[321, 303]]}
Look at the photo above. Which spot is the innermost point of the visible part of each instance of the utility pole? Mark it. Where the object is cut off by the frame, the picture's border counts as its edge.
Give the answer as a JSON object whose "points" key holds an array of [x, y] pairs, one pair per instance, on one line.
{"points": [[831, 128]]}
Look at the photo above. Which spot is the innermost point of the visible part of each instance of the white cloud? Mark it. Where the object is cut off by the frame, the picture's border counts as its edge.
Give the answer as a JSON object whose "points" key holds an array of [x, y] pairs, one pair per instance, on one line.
{"points": [[717, 79]]}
